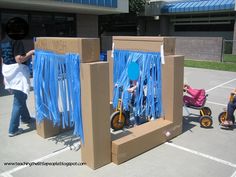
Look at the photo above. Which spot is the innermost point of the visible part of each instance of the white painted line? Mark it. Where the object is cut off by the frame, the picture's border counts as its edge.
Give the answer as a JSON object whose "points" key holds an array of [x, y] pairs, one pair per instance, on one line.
{"points": [[220, 85], [234, 174], [227, 87], [9, 172], [219, 104], [6, 175], [202, 155]]}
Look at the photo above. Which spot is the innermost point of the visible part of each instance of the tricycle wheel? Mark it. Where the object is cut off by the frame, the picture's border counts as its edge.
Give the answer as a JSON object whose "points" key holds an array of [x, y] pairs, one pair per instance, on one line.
{"points": [[206, 121], [223, 116], [205, 111], [118, 120]]}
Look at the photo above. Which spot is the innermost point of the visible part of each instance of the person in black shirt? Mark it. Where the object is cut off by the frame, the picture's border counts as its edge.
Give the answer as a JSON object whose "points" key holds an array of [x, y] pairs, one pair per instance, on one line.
{"points": [[16, 78]]}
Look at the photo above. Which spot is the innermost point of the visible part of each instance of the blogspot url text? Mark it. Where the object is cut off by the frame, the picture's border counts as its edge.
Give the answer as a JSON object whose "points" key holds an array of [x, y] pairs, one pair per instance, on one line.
{"points": [[66, 164]]}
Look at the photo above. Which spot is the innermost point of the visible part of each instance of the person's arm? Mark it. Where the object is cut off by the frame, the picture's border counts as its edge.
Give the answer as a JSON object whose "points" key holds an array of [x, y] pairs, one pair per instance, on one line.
{"points": [[19, 52], [24, 58]]}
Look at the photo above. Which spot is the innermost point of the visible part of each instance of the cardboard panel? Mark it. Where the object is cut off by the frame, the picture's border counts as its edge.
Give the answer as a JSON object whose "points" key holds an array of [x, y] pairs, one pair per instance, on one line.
{"points": [[46, 129], [149, 44], [141, 139], [144, 137], [172, 87], [110, 61], [96, 150], [88, 48]]}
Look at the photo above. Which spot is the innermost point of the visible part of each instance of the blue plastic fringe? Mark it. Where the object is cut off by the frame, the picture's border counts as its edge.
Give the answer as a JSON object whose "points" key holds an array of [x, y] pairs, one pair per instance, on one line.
{"points": [[148, 94], [57, 89]]}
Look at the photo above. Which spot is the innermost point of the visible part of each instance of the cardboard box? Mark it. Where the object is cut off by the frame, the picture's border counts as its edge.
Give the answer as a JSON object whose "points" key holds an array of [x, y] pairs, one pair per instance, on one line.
{"points": [[149, 135], [88, 48], [144, 43], [96, 150], [46, 129]]}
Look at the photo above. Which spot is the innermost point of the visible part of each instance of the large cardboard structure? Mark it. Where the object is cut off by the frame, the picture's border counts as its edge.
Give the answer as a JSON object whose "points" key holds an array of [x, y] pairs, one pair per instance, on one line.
{"points": [[98, 148], [94, 77], [87, 48], [146, 136], [149, 135]]}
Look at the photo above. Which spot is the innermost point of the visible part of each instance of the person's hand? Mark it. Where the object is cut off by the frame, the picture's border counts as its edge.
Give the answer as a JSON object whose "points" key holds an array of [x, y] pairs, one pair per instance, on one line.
{"points": [[185, 88], [131, 90]]}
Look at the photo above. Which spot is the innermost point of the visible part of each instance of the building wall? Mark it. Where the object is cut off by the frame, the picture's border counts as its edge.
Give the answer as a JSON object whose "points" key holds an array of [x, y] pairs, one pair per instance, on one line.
{"points": [[60, 6], [87, 25], [200, 48]]}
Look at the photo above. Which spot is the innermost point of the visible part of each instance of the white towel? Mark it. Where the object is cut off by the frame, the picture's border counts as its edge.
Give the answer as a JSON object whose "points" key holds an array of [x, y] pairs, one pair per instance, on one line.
{"points": [[17, 77]]}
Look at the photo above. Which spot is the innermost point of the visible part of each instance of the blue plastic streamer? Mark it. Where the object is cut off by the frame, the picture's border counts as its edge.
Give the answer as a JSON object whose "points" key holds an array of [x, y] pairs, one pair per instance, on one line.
{"points": [[57, 89], [149, 82]]}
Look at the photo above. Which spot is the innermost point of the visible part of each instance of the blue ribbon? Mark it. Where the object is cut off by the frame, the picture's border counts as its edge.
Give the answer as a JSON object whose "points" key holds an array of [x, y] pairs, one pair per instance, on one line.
{"points": [[150, 78], [57, 89]]}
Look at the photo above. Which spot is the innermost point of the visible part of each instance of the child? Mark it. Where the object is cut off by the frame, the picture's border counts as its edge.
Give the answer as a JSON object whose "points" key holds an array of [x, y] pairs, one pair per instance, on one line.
{"points": [[230, 110]]}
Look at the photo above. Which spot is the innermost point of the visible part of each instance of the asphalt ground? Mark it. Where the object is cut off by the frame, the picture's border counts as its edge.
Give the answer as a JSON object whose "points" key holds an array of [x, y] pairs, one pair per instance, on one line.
{"points": [[196, 152]]}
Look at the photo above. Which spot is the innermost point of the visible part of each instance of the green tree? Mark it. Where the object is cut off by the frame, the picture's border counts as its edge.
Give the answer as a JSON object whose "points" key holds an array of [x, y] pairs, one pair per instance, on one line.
{"points": [[136, 6]]}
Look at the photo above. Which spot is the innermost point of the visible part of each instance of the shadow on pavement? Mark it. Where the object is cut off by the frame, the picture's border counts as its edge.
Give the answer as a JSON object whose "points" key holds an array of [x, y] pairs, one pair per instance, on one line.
{"points": [[68, 139], [187, 125]]}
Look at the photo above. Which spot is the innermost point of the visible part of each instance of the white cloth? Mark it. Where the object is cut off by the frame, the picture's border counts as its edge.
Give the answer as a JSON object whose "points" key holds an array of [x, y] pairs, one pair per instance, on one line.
{"points": [[17, 77]]}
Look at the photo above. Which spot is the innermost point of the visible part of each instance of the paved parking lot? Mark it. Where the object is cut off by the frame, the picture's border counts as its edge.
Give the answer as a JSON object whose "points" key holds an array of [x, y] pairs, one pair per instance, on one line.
{"points": [[196, 152]]}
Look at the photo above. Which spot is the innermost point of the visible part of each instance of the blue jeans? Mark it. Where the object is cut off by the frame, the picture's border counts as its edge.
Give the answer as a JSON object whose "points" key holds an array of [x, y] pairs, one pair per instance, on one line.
{"points": [[19, 111]]}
